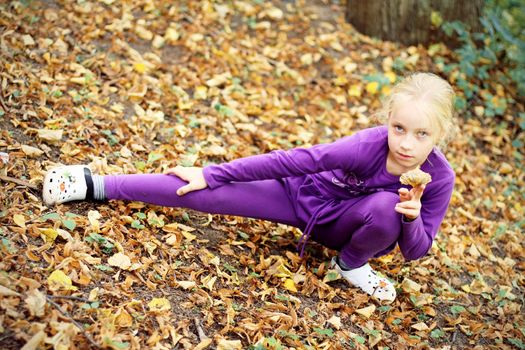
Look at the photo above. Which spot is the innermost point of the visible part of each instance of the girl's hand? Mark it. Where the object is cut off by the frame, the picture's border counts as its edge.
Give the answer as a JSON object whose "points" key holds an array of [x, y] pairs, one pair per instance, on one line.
{"points": [[410, 202], [192, 175]]}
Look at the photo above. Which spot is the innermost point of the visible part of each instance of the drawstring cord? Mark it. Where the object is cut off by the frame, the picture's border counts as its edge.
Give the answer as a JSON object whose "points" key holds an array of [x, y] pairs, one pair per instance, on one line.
{"points": [[309, 227]]}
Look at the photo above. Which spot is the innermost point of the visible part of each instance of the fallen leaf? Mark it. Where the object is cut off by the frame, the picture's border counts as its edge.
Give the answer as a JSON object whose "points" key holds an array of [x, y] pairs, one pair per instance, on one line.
{"points": [[59, 280], [421, 326], [186, 284], [20, 220], [290, 285], [35, 341], [366, 311], [32, 151], [224, 344], [410, 286], [93, 216], [36, 302], [120, 260], [159, 304], [50, 135], [49, 234], [4, 291], [335, 321]]}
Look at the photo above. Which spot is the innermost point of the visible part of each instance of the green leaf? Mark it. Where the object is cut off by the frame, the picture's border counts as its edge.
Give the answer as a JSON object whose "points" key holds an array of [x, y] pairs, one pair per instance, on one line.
{"points": [[51, 216], [456, 309], [70, 224], [136, 224], [7, 244], [243, 235], [104, 268], [140, 165], [140, 215], [332, 276], [516, 342], [117, 344], [437, 333], [229, 267], [328, 331], [152, 157], [360, 339]]}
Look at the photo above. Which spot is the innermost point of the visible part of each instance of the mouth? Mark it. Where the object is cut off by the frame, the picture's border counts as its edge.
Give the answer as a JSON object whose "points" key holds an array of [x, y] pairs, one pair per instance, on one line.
{"points": [[404, 156]]}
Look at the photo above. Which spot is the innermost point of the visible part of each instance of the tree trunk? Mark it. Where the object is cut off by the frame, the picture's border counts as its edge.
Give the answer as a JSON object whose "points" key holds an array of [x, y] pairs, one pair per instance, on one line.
{"points": [[408, 21]]}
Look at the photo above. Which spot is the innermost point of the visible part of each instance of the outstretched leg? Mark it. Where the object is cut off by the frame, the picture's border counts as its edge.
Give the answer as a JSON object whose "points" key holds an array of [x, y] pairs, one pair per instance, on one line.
{"points": [[265, 199]]}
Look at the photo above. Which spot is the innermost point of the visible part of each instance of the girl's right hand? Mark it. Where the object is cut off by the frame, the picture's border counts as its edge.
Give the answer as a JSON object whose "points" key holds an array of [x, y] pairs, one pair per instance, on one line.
{"points": [[192, 175]]}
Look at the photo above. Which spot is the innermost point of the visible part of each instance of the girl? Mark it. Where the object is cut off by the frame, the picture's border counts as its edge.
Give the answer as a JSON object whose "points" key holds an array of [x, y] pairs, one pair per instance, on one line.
{"points": [[345, 195]]}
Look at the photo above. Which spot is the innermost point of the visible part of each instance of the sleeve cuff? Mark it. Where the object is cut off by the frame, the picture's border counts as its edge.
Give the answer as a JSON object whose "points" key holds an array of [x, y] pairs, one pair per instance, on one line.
{"points": [[207, 172]]}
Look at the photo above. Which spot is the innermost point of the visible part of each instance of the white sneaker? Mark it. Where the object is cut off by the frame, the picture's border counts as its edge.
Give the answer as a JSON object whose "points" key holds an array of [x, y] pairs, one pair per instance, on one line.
{"points": [[368, 280], [65, 184]]}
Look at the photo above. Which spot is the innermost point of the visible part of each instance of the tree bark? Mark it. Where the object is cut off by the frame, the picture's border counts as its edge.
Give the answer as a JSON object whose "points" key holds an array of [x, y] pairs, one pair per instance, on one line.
{"points": [[408, 21]]}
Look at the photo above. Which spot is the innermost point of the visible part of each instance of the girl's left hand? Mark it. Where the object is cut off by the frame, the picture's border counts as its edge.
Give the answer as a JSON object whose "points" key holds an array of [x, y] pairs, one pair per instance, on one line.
{"points": [[410, 202]]}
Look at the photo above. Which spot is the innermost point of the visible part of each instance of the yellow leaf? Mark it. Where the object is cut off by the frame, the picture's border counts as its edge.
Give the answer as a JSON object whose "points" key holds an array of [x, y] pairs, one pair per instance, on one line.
{"points": [[209, 281], [392, 77], [307, 59], [385, 90], [20, 220], [159, 304], [421, 326], [50, 135], [410, 286], [186, 284], [201, 93], [203, 344], [49, 234], [190, 237], [372, 87], [32, 151], [290, 285], [171, 35], [120, 260], [366, 311], [335, 321], [93, 217], [59, 280], [355, 90], [35, 341], [225, 344], [140, 67], [123, 319]]}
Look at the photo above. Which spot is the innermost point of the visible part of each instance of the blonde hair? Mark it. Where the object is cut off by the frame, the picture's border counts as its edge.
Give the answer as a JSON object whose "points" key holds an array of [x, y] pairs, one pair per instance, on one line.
{"points": [[438, 96]]}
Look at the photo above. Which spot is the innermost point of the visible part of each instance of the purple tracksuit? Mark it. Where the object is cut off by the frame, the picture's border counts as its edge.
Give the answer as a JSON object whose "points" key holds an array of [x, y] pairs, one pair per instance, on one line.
{"points": [[339, 194]]}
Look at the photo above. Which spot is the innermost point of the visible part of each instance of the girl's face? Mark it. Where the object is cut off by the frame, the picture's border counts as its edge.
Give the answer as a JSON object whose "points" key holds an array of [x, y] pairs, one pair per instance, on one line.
{"points": [[411, 138]]}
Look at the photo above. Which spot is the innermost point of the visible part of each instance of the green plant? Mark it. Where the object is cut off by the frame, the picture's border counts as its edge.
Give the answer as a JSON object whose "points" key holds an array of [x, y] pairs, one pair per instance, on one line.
{"points": [[490, 59]]}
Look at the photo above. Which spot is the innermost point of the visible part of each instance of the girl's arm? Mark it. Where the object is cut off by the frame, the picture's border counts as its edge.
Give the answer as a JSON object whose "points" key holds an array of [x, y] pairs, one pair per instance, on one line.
{"points": [[417, 235], [280, 164]]}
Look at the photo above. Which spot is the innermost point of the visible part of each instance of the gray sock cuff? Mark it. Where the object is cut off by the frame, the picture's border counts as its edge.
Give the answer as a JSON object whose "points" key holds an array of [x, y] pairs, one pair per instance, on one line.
{"points": [[99, 192]]}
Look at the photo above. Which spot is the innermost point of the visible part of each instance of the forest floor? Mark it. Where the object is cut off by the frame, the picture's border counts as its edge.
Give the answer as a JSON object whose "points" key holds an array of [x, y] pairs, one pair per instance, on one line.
{"points": [[137, 87]]}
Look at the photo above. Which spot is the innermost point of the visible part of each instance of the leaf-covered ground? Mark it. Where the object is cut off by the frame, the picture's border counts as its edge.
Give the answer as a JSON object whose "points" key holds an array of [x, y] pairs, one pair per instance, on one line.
{"points": [[138, 86]]}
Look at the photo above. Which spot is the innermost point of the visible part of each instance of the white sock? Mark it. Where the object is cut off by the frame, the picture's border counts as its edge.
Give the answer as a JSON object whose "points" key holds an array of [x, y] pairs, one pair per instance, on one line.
{"points": [[99, 192]]}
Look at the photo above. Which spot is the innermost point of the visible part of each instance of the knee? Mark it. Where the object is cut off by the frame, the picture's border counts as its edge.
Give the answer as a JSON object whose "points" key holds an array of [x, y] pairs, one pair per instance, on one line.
{"points": [[382, 216]]}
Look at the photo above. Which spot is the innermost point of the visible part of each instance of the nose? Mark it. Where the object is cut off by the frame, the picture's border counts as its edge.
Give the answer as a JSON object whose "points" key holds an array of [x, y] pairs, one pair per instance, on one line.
{"points": [[407, 143]]}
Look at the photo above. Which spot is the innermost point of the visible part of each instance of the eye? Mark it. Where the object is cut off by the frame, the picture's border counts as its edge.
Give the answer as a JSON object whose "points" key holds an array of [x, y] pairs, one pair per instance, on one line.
{"points": [[398, 128], [422, 134]]}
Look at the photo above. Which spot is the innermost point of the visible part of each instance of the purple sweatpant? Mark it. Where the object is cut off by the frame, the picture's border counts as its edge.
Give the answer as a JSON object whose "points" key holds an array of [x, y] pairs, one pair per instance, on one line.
{"points": [[368, 225]]}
